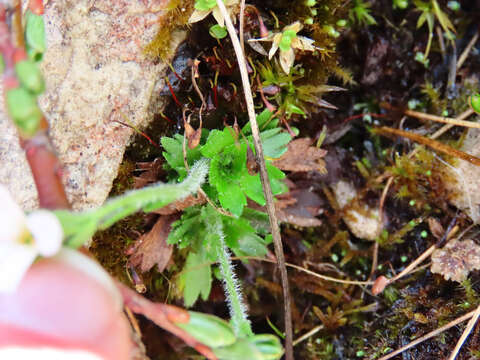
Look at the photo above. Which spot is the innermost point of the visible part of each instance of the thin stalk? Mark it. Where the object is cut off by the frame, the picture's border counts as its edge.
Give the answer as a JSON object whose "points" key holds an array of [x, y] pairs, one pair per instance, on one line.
{"points": [[277, 240], [429, 335], [233, 291]]}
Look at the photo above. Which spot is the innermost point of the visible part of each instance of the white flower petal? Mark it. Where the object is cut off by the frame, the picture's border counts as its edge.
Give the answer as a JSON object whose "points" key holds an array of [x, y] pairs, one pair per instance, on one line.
{"points": [[274, 48], [198, 15], [45, 353], [46, 231], [217, 14], [15, 259], [296, 26], [303, 43], [91, 268], [286, 59], [12, 218]]}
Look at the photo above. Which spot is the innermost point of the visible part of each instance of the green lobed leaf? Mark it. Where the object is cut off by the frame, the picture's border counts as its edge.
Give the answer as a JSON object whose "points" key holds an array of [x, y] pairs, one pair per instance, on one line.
{"points": [[242, 238], [275, 142], [174, 153], [196, 278], [225, 171], [217, 140]]}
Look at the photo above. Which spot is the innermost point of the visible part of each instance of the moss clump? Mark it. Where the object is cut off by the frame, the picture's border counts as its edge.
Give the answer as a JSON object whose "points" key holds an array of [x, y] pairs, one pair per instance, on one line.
{"points": [[177, 14]]}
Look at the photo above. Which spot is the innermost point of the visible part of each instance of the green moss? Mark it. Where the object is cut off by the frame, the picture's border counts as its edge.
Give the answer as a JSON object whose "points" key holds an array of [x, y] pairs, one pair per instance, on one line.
{"points": [[177, 15]]}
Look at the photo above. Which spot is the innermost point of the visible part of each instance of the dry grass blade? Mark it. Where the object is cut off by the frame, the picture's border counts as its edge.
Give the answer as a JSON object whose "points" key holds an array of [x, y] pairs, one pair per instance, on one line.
{"points": [[435, 145], [467, 50], [277, 240], [441, 119], [306, 271], [465, 334], [429, 335]]}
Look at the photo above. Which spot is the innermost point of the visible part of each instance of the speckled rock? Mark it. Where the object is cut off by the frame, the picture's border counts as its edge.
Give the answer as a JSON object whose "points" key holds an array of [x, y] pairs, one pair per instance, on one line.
{"points": [[96, 74]]}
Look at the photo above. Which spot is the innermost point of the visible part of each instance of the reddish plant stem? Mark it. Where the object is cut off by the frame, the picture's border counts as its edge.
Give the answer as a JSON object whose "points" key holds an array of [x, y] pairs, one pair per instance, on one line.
{"points": [[170, 88], [46, 171], [164, 316], [46, 168]]}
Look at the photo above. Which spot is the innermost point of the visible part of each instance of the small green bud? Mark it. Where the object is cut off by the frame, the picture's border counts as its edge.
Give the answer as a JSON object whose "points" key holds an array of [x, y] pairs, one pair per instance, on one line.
{"points": [[217, 31], [424, 234], [341, 22], [413, 103], [269, 345], [400, 4], [474, 102], [308, 21], [209, 330], [286, 41], [30, 76], [314, 12], [330, 30], [311, 3], [23, 109], [34, 36]]}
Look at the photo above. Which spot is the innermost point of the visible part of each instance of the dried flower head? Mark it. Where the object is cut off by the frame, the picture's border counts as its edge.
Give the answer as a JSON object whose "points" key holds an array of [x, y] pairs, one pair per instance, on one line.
{"points": [[456, 259], [288, 41]]}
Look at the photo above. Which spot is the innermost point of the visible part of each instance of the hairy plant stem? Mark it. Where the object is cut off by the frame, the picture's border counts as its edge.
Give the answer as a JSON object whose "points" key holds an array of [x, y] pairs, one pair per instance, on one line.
{"points": [[233, 291], [277, 240], [79, 227]]}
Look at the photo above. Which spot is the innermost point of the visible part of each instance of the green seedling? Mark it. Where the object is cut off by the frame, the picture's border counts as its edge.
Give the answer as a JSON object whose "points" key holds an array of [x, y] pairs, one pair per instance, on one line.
{"points": [[360, 13]]}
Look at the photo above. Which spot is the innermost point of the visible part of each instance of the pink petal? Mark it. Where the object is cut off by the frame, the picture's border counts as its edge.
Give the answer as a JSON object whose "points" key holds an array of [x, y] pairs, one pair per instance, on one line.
{"points": [[57, 305]]}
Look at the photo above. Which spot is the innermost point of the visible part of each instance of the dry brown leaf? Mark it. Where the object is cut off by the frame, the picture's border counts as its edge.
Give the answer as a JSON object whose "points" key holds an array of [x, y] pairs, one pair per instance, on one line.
{"points": [[152, 247], [302, 157], [180, 205], [456, 259], [151, 172], [297, 207], [300, 208]]}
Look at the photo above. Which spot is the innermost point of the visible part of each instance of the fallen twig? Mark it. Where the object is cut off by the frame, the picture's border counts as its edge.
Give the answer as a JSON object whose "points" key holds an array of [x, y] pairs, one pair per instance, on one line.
{"points": [[277, 240], [435, 145]]}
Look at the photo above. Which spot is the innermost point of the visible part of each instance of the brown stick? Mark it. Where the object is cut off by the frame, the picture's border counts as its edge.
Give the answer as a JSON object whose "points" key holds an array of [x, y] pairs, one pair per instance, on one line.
{"points": [[277, 240], [435, 145]]}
